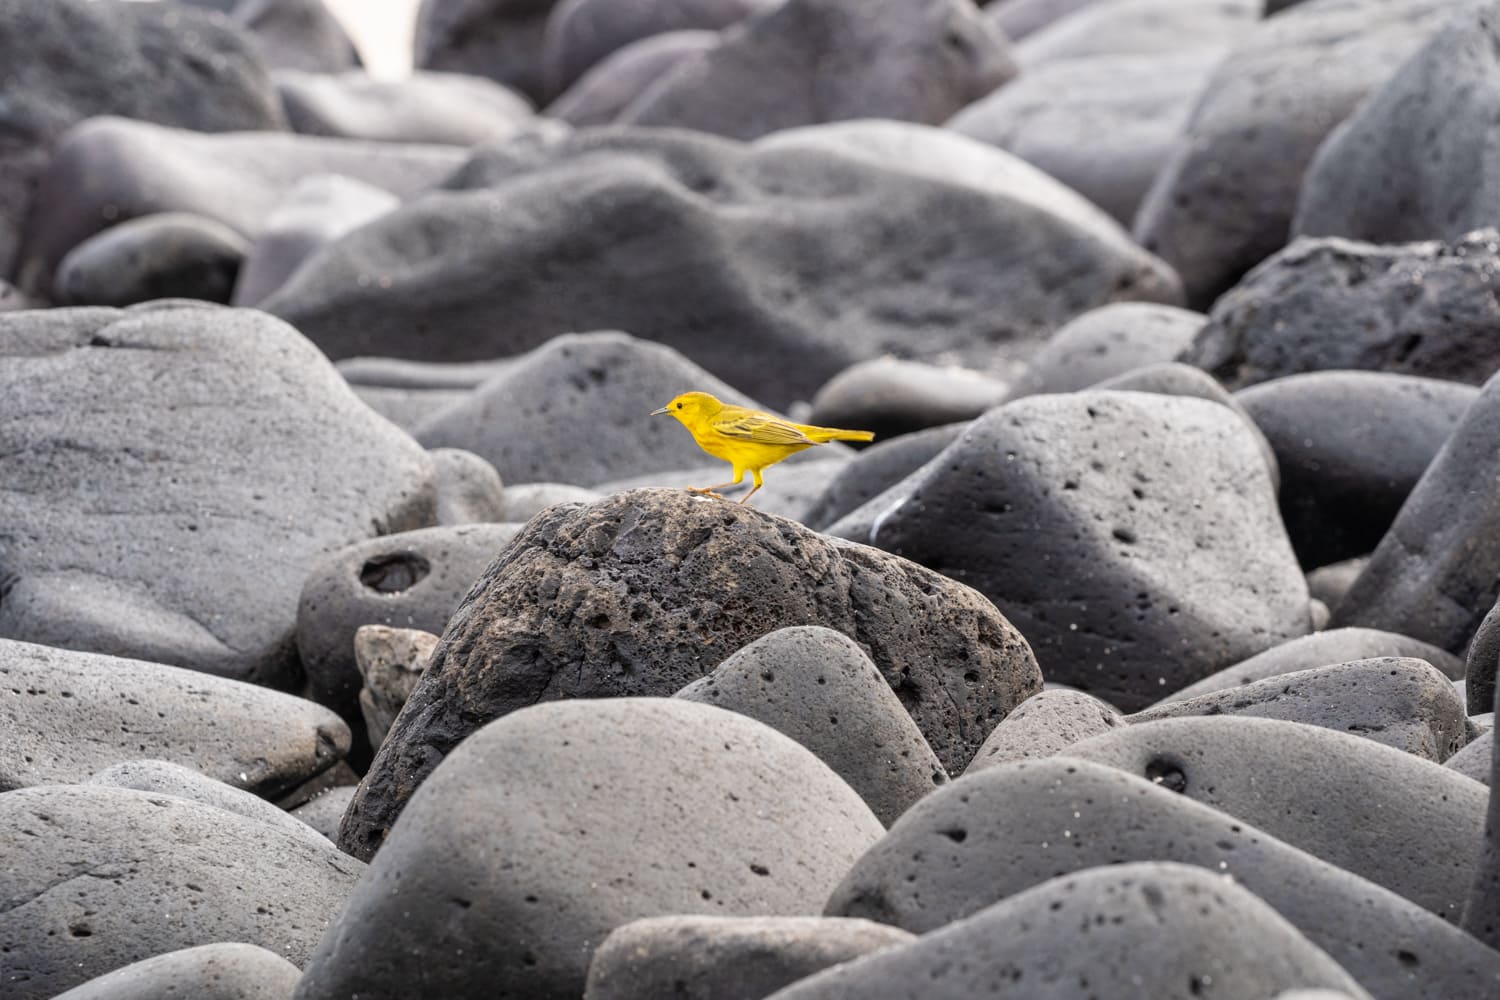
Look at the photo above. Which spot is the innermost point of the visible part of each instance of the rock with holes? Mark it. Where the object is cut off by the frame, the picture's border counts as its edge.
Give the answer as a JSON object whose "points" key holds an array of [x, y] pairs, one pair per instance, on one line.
{"points": [[608, 88], [791, 488], [231, 454], [726, 958], [1411, 163], [66, 715], [443, 108], [1146, 929], [1402, 702], [468, 488], [693, 235], [810, 61], [1322, 649], [1225, 198], [876, 469], [165, 778], [644, 592], [324, 811], [1159, 28], [1044, 725], [409, 580], [1102, 125], [1482, 661], [1437, 570], [106, 171], [1353, 803], [510, 852], [100, 877], [1129, 576], [170, 255], [1106, 342], [1325, 304], [1002, 830], [1351, 445], [500, 39], [206, 972], [391, 661], [72, 59], [818, 687], [893, 397]]}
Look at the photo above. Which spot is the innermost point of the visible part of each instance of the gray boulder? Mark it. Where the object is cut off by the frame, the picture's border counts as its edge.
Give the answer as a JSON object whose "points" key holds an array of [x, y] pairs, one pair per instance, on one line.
{"points": [[1481, 663], [1044, 725], [609, 87], [876, 469], [230, 453], [469, 490], [441, 108], [1473, 761], [111, 876], [511, 851], [818, 687], [1329, 583], [893, 397], [169, 255], [1158, 28], [1020, 18], [643, 592], [208, 972], [791, 488], [500, 39], [324, 811], [297, 35], [1107, 342]]}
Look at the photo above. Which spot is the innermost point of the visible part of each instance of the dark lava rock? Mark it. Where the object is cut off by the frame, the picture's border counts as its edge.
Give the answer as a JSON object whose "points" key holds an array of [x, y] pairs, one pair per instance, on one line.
{"points": [[1102, 125], [66, 715], [1150, 929], [1437, 570], [443, 108], [207, 972], [1351, 445], [791, 488], [500, 39], [893, 397], [297, 35], [97, 878], [1402, 702], [606, 89], [230, 454], [170, 255], [1045, 724], [1002, 830], [1224, 199], [109, 170], [818, 687], [1322, 649], [1353, 804], [1140, 27], [809, 61], [582, 33], [67, 60], [877, 468], [1412, 163], [1483, 659], [1321, 304], [726, 958], [511, 852], [643, 592], [691, 236], [412, 579], [1077, 515], [1106, 342]]}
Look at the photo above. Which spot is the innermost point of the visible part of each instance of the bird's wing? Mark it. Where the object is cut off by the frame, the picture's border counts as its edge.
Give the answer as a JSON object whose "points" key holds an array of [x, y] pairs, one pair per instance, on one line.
{"points": [[761, 428]]}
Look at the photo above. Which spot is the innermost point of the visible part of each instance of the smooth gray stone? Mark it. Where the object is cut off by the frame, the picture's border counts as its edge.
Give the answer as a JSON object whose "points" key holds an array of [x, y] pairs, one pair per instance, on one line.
{"points": [[1403, 702], [1481, 662], [893, 397], [170, 255], [521, 503], [1044, 725], [222, 454], [297, 35], [1128, 581], [442, 108], [1021, 18], [607, 88], [1321, 649], [207, 972], [1158, 28], [1353, 803], [65, 715], [1105, 342], [98, 878], [469, 490], [511, 851], [1225, 198], [1150, 929], [1473, 761], [818, 687], [402, 373], [324, 812], [1333, 304], [412, 579], [644, 592], [875, 469], [1330, 583], [1482, 914], [500, 39], [1002, 830], [726, 958], [808, 61]]}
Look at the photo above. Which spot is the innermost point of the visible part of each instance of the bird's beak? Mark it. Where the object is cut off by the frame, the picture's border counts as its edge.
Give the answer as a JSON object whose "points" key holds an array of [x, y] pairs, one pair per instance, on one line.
{"points": [[657, 413]]}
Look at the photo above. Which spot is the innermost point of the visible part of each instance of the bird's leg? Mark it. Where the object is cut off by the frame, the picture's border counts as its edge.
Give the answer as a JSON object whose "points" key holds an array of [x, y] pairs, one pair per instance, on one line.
{"points": [[713, 491], [758, 484]]}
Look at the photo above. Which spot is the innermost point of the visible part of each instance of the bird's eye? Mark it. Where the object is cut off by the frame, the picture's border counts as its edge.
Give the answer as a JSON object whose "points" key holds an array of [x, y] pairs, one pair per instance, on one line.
{"points": [[679, 406]]}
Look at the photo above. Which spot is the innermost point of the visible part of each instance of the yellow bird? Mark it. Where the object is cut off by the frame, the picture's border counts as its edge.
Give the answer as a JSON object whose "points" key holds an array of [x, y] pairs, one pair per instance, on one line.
{"points": [[746, 438]]}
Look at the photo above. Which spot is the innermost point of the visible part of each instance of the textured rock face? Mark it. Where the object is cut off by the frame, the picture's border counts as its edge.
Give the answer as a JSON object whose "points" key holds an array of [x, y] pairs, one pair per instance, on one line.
{"points": [[1108, 342], [646, 591], [1328, 304], [210, 971], [228, 453], [513, 853], [1060, 510]]}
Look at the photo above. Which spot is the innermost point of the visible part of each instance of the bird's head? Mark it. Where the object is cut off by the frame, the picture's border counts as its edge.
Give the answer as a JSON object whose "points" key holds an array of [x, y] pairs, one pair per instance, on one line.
{"points": [[691, 407]]}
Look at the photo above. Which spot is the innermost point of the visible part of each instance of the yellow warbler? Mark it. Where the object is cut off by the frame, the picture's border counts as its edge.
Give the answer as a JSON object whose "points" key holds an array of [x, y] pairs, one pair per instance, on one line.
{"points": [[747, 439]]}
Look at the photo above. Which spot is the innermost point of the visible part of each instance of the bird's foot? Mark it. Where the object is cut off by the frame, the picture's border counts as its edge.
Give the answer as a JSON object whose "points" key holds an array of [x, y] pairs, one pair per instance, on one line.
{"points": [[705, 491]]}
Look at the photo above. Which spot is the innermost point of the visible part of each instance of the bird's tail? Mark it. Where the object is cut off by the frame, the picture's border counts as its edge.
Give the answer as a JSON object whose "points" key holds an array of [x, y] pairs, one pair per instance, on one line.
{"points": [[822, 435]]}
